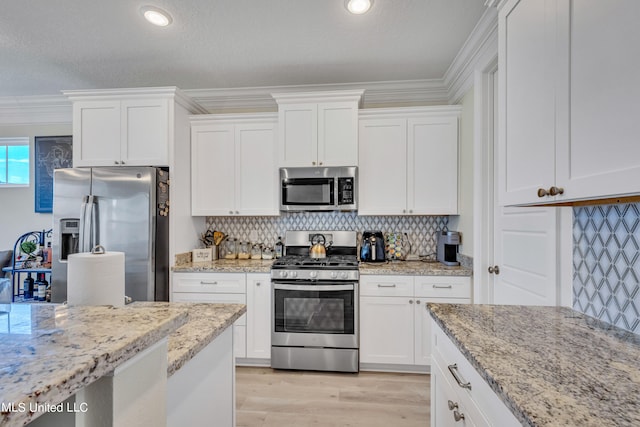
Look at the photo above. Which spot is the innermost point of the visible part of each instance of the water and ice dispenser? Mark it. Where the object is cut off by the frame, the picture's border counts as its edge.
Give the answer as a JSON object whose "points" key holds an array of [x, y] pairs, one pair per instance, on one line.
{"points": [[69, 237]]}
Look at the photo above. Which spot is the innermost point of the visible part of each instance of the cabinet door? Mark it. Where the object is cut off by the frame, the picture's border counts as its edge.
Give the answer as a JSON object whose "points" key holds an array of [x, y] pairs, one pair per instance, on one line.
{"points": [[298, 135], [432, 166], [256, 171], [422, 348], [213, 160], [145, 132], [598, 150], [382, 153], [96, 133], [526, 116], [259, 316], [386, 330], [338, 134]]}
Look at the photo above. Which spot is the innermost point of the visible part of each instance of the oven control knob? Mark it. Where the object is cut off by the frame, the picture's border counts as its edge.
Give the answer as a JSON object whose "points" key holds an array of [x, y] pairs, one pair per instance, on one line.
{"points": [[334, 275], [313, 274], [284, 274], [343, 275], [294, 274]]}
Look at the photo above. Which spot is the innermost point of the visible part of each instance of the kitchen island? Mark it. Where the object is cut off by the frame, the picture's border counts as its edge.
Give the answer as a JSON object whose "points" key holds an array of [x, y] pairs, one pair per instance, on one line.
{"points": [[52, 353], [549, 366]]}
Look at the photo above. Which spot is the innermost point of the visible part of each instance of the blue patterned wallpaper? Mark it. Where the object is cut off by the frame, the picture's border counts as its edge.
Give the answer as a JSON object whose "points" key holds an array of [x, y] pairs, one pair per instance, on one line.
{"points": [[421, 229], [606, 270]]}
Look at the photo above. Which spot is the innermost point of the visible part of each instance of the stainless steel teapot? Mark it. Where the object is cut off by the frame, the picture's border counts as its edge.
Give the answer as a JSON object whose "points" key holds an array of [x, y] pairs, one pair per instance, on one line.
{"points": [[319, 246]]}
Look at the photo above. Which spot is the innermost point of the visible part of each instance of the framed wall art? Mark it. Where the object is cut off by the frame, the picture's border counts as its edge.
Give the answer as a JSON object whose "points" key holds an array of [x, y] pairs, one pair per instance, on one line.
{"points": [[50, 153]]}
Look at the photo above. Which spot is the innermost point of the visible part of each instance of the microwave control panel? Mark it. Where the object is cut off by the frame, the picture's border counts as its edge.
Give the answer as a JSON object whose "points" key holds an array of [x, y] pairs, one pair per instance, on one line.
{"points": [[345, 191]]}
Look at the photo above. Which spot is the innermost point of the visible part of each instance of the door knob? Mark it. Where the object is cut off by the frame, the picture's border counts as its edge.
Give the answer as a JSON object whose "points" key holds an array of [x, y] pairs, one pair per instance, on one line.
{"points": [[493, 269]]}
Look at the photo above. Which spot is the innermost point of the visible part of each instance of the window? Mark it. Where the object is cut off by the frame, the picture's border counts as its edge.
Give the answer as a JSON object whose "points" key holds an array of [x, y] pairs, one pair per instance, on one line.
{"points": [[14, 161]]}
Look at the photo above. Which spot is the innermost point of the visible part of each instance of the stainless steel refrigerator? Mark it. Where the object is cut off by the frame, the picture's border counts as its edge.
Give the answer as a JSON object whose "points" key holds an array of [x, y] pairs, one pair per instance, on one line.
{"points": [[124, 209]]}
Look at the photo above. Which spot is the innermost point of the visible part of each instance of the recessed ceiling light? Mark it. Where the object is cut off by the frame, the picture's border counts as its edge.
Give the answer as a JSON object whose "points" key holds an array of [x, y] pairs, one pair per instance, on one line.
{"points": [[358, 7], [156, 16]]}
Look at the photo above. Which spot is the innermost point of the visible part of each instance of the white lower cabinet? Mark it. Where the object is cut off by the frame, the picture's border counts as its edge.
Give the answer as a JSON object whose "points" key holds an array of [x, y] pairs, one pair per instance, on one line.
{"points": [[252, 331], [459, 395], [394, 324], [258, 316]]}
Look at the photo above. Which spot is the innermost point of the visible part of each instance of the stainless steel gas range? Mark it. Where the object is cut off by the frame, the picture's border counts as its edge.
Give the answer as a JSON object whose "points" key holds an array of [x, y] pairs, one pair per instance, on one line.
{"points": [[315, 304]]}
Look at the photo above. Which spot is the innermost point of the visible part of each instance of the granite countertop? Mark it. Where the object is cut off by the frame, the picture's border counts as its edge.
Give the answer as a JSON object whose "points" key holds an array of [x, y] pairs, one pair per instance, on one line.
{"points": [[551, 366], [206, 322], [226, 266], [412, 268], [49, 352]]}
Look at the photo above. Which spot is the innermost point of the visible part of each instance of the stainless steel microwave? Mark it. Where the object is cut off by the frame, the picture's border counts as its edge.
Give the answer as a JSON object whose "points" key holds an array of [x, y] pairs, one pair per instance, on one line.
{"points": [[319, 189]]}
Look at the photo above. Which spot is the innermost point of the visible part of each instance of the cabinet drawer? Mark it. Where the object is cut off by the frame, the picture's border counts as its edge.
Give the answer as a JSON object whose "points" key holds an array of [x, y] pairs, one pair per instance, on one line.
{"points": [[232, 283], [443, 287], [392, 286], [480, 395], [211, 297]]}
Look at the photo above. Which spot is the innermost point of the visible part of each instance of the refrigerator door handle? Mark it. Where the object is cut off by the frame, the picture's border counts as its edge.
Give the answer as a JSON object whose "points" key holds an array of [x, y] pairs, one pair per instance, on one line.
{"points": [[95, 230], [87, 223]]}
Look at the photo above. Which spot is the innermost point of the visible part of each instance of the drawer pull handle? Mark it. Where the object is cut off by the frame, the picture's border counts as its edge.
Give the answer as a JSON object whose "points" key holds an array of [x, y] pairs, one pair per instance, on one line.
{"points": [[457, 415], [442, 286], [387, 286], [456, 375], [204, 282]]}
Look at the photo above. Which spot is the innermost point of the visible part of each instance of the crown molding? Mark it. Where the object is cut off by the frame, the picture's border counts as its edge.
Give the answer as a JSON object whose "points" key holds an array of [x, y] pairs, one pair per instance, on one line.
{"points": [[35, 110], [482, 41], [387, 93]]}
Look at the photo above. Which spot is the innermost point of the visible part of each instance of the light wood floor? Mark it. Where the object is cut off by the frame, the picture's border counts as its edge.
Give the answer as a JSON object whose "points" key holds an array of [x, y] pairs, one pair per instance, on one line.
{"points": [[270, 398]]}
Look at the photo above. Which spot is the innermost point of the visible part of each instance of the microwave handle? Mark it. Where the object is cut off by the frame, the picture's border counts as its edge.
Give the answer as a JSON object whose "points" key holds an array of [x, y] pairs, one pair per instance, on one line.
{"points": [[313, 287]]}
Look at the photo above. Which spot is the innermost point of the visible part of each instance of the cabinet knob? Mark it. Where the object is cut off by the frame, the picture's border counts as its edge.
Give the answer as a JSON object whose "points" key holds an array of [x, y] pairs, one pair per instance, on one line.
{"points": [[122, 162], [116, 162], [410, 301], [257, 283], [554, 191], [410, 210], [230, 212], [493, 269], [237, 213], [417, 301], [313, 163], [404, 211], [458, 415], [320, 163], [452, 405], [542, 192]]}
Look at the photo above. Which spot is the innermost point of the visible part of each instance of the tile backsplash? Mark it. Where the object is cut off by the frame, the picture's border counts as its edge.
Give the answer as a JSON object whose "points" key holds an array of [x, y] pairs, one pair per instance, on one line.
{"points": [[606, 265], [421, 229]]}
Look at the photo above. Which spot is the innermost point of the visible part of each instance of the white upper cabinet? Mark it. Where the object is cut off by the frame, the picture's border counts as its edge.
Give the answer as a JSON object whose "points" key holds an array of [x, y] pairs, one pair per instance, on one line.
{"points": [[408, 161], [568, 101], [233, 165], [125, 127], [318, 128]]}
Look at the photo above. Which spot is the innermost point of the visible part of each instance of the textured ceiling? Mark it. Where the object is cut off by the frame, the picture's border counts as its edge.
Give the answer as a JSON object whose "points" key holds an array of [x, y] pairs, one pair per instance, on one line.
{"points": [[47, 46]]}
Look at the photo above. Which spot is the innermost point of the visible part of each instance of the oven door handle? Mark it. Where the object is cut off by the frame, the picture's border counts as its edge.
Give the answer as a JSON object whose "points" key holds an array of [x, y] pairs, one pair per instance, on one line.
{"points": [[313, 287]]}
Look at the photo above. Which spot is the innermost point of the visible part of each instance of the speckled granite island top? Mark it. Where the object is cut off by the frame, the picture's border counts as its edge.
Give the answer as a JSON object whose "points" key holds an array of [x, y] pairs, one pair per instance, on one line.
{"points": [[551, 366], [411, 268], [49, 352], [206, 322]]}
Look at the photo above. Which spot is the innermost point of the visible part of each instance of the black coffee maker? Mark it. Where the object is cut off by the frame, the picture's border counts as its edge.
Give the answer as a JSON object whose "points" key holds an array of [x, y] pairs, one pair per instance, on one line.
{"points": [[373, 247]]}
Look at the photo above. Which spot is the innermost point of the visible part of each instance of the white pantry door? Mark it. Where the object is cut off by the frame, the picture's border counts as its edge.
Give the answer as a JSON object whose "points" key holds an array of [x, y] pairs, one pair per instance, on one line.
{"points": [[525, 253], [525, 243]]}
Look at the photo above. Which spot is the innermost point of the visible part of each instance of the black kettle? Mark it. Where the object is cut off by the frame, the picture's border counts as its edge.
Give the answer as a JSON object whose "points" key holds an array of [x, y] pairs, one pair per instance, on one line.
{"points": [[373, 247]]}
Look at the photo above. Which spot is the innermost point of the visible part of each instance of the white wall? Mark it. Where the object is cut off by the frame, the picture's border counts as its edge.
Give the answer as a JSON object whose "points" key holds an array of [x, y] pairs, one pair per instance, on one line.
{"points": [[464, 222], [17, 205]]}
